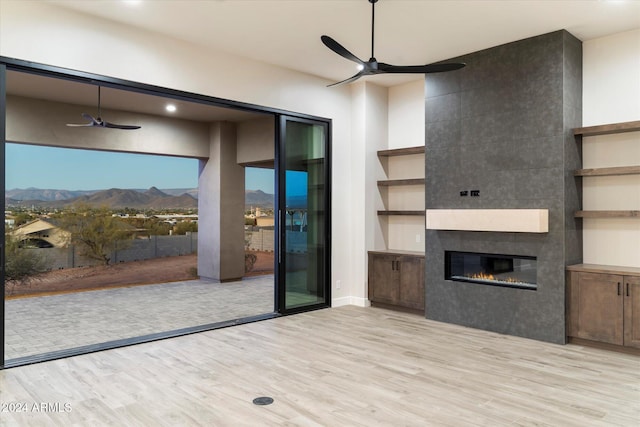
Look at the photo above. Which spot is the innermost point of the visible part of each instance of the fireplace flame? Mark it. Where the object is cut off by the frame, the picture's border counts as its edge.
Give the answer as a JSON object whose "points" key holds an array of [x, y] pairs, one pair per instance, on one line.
{"points": [[486, 276]]}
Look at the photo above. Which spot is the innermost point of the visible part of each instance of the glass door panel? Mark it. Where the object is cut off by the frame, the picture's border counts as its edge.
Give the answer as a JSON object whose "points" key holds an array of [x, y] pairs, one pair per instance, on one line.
{"points": [[303, 259]]}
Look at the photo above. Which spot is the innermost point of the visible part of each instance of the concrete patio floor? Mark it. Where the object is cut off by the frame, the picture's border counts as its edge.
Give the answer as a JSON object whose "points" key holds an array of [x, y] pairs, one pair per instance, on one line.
{"points": [[44, 324]]}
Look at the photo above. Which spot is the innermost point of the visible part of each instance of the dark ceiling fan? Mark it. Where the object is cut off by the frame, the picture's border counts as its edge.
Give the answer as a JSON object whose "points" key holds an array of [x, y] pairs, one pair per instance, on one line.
{"points": [[98, 122], [372, 66]]}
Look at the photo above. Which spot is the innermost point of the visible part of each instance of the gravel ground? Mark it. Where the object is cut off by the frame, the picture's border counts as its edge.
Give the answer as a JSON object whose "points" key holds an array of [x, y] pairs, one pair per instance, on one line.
{"points": [[159, 270]]}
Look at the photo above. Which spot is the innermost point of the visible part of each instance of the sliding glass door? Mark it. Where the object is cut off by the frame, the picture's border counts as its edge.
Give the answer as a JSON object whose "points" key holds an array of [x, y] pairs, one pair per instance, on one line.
{"points": [[291, 235], [303, 274]]}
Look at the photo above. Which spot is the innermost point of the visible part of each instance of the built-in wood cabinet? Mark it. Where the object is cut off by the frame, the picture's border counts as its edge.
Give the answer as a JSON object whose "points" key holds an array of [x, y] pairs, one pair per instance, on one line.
{"points": [[603, 301], [604, 304], [397, 278], [396, 272], [632, 311]]}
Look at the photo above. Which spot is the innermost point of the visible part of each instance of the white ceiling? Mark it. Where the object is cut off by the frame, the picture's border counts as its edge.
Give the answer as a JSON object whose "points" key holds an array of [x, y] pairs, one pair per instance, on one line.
{"points": [[72, 92], [287, 33], [408, 32]]}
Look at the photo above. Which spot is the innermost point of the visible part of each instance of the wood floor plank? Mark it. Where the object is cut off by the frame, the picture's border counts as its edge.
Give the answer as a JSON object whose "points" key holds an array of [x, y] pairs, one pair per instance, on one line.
{"points": [[347, 366]]}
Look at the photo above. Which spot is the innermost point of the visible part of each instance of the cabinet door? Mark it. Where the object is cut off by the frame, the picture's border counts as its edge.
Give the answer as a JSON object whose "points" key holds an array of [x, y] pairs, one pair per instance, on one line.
{"points": [[632, 311], [383, 278], [599, 304], [411, 282]]}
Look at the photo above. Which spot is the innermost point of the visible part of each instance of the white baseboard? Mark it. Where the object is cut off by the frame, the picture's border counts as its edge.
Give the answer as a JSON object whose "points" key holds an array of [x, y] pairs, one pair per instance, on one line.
{"points": [[360, 302]]}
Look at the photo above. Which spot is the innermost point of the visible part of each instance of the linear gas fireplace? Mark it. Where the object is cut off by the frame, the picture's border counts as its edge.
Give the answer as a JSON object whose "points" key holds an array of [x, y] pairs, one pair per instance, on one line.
{"points": [[509, 271]]}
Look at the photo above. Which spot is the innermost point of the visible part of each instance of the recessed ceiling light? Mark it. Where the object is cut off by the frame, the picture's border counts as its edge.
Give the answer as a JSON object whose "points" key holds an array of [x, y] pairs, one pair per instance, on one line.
{"points": [[132, 2], [170, 108]]}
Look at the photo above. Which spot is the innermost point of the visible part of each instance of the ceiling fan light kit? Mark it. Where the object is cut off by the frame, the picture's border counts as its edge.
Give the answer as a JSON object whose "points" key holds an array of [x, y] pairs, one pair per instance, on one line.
{"points": [[98, 122], [372, 66]]}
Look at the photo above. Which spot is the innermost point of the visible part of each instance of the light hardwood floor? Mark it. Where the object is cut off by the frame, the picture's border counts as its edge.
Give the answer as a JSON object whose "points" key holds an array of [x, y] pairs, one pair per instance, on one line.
{"points": [[347, 366]]}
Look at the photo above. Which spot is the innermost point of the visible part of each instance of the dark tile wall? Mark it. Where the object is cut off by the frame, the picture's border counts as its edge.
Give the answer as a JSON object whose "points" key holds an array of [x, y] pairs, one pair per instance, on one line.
{"points": [[502, 125]]}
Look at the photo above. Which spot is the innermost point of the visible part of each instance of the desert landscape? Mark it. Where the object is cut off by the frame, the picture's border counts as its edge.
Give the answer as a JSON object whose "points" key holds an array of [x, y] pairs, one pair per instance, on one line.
{"points": [[136, 273]]}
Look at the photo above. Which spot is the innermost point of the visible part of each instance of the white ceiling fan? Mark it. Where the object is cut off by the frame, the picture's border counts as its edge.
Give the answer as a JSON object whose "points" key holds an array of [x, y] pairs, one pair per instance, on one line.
{"points": [[98, 122]]}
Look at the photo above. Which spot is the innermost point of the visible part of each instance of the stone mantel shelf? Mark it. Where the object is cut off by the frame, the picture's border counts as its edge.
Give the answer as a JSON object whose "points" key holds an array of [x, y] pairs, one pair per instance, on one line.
{"points": [[497, 220]]}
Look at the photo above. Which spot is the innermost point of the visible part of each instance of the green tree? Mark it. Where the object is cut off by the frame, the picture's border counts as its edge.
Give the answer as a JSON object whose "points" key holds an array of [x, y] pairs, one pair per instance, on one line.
{"points": [[183, 227], [149, 226], [157, 228], [22, 218], [21, 265], [95, 232]]}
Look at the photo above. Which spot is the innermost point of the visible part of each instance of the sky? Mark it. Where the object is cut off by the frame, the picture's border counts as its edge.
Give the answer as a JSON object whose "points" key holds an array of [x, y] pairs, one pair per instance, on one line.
{"points": [[260, 179], [73, 169]]}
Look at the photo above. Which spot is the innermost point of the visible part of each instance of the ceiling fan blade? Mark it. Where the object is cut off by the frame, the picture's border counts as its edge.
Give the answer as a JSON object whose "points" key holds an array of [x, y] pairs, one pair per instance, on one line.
{"points": [[78, 125], [340, 50], [420, 69], [349, 80], [96, 122], [372, 66], [115, 126], [92, 121]]}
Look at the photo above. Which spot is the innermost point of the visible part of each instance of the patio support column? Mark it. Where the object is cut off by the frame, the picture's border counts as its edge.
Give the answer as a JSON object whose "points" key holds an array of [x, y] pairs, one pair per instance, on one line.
{"points": [[221, 208]]}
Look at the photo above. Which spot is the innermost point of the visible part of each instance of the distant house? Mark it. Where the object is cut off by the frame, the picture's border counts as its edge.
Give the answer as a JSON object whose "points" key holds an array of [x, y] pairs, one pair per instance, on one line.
{"points": [[42, 233], [48, 233], [173, 219], [265, 221]]}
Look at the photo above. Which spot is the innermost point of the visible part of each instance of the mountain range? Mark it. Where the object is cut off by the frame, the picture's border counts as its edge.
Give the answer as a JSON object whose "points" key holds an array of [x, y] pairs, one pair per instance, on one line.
{"points": [[120, 198], [258, 198], [152, 198]]}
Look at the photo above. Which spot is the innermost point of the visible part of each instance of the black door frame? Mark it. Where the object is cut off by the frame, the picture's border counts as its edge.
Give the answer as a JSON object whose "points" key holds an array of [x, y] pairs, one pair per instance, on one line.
{"points": [[280, 271], [12, 64]]}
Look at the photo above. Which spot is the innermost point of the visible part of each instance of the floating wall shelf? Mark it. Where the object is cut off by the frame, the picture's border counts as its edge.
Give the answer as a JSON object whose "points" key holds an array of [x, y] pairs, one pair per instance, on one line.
{"points": [[409, 213], [608, 129], [401, 151], [620, 170], [396, 182], [607, 214]]}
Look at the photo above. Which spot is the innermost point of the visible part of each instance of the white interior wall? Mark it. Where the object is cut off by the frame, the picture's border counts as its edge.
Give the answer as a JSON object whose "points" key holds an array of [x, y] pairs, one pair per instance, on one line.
{"points": [[369, 134], [406, 232], [406, 129], [611, 94], [42, 33], [376, 138], [406, 115], [611, 79]]}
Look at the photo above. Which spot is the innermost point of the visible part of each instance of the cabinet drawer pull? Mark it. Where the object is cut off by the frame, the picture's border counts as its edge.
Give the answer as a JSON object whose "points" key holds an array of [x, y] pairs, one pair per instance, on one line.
{"points": [[398, 265], [627, 288], [393, 265], [619, 288]]}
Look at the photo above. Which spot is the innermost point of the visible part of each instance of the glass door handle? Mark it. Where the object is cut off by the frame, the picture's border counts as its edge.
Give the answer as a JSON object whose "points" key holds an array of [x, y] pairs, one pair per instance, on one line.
{"points": [[279, 236]]}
